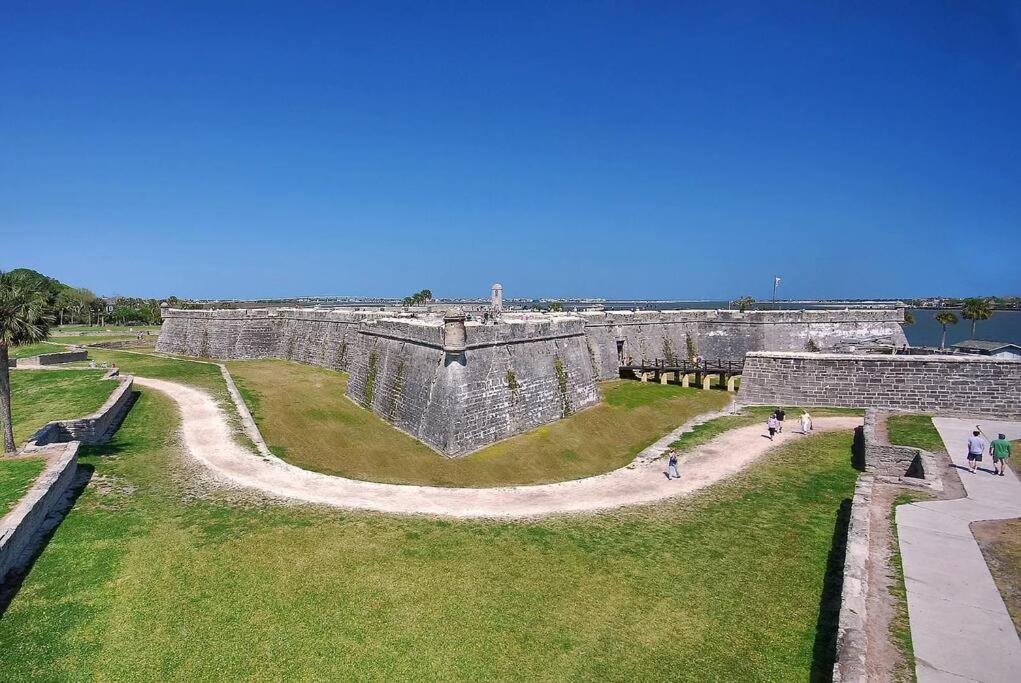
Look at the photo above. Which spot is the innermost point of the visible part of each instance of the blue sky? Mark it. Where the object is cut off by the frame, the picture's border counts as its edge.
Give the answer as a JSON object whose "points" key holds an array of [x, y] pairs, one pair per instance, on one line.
{"points": [[616, 149]]}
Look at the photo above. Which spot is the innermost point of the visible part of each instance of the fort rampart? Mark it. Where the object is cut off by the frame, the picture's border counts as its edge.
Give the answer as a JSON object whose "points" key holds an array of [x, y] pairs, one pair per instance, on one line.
{"points": [[458, 385], [648, 335], [966, 385]]}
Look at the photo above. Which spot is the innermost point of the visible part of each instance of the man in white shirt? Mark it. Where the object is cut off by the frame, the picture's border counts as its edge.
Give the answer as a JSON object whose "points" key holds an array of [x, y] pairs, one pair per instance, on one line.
{"points": [[976, 447]]}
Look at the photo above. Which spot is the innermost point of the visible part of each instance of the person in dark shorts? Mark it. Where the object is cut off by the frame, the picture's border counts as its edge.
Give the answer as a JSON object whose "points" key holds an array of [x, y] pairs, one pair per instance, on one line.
{"points": [[1000, 450], [780, 415], [976, 447]]}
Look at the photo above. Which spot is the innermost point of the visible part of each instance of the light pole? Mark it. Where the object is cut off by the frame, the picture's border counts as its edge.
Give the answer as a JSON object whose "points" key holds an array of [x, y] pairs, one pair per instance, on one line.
{"points": [[776, 282]]}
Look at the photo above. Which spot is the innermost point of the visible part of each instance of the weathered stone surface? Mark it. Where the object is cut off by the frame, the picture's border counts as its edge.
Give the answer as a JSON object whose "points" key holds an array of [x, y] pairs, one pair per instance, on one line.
{"points": [[18, 527], [511, 377], [972, 385], [851, 636], [729, 335]]}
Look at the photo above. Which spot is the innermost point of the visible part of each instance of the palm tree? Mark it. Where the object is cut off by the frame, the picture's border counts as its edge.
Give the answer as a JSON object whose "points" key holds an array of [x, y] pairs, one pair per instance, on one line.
{"points": [[24, 319], [945, 318], [743, 303], [975, 309]]}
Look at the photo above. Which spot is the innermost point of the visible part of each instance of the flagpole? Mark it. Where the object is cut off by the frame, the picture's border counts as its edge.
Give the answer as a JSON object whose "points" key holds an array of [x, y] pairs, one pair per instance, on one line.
{"points": [[774, 291]]}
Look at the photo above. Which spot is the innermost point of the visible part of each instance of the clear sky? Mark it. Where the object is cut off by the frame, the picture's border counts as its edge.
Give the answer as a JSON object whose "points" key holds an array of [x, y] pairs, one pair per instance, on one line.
{"points": [[616, 149]]}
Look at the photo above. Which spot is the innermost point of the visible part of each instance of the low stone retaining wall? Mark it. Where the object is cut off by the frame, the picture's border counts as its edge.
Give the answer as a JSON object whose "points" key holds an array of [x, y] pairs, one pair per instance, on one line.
{"points": [[947, 385], [92, 429], [19, 527], [851, 638], [51, 359], [897, 462]]}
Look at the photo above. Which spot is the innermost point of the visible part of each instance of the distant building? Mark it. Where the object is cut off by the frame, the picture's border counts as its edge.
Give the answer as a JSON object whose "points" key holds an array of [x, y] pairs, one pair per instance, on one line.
{"points": [[989, 348]]}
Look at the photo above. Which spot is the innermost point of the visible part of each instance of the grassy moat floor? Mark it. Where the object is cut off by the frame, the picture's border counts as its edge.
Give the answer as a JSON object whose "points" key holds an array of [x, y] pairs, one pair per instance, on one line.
{"points": [[306, 419], [154, 576]]}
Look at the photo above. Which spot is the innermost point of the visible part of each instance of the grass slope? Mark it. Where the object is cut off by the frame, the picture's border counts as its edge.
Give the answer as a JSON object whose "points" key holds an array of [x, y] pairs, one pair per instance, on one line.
{"points": [[307, 420], [143, 582], [16, 477], [914, 430], [39, 396]]}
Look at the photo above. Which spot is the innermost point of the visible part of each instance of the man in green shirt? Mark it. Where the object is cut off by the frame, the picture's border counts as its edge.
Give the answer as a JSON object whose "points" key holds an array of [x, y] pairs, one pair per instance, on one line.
{"points": [[1000, 450]]}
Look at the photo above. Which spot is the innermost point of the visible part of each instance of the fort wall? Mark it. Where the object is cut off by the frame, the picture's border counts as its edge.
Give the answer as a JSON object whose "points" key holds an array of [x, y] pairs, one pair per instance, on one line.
{"points": [[966, 385], [729, 335], [460, 390], [311, 336]]}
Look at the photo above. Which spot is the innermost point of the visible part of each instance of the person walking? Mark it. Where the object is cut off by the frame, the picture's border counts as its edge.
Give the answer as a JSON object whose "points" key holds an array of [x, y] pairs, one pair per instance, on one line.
{"points": [[671, 466], [772, 424], [806, 422], [780, 415], [976, 447], [1000, 450]]}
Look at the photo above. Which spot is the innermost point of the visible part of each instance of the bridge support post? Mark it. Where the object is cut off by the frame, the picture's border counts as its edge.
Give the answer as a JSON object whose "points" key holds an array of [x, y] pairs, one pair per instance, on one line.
{"points": [[732, 383], [684, 380], [707, 381]]}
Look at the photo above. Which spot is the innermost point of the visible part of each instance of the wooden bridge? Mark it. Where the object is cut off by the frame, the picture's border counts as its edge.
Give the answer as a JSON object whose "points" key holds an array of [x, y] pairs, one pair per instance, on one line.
{"points": [[703, 371]]}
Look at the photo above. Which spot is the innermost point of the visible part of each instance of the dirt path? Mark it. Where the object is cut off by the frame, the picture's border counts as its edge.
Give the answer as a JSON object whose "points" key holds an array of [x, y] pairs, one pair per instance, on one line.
{"points": [[207, 436]]}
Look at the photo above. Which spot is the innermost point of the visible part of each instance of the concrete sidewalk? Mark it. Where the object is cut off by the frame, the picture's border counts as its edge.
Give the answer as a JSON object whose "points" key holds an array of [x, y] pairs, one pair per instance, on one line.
{"points": [[959, 625]]}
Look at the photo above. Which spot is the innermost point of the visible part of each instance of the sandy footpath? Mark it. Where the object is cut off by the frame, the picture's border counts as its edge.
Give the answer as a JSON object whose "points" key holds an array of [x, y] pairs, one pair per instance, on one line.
{"points": [[207, 437]]}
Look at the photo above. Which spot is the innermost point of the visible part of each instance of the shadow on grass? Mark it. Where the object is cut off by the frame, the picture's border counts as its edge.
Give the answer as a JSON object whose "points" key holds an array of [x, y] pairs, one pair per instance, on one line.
{"points": [[858, 449], [10, 587], [824, 652]]}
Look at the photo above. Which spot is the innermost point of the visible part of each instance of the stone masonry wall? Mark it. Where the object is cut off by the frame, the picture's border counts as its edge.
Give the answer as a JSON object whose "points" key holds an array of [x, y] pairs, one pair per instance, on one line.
{"points": [[50, 359], [19, 527], [972, 385], [647, 335], [511, 377], [315, 337]]}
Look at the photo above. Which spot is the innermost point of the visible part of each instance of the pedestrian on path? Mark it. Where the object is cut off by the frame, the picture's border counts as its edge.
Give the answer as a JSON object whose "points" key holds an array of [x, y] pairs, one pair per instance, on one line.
{"points": [[806, 422], [671, 467], [772, 424], [780, 415], [976, 447], [1000, 450]]}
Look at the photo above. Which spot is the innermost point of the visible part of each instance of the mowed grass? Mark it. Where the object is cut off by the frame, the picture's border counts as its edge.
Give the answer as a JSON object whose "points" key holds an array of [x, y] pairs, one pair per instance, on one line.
{"points": [[16, 477], [202, 375], [307, 420], [33, 350], [144, 582], [914, 430], [39, 396]]}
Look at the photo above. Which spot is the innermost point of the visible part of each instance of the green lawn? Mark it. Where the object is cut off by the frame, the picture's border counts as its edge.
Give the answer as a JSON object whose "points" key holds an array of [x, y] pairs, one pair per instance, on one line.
{"points": [[145, 581], [307, 420], [16, 477], [39, 396], [33, 350], [914, 430]]}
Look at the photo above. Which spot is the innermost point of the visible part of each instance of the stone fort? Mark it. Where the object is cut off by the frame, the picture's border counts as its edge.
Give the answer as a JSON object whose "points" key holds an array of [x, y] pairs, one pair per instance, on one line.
{"points": [[459, 384]]}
